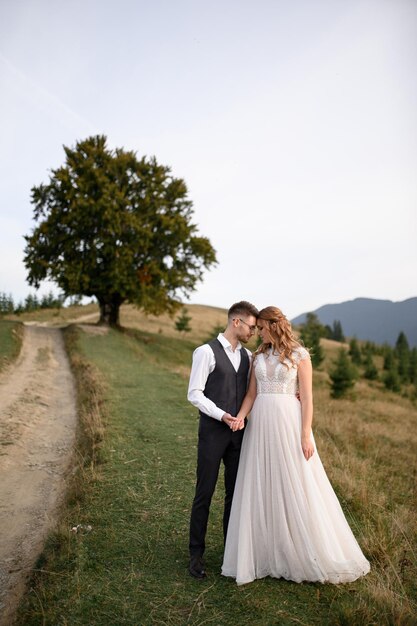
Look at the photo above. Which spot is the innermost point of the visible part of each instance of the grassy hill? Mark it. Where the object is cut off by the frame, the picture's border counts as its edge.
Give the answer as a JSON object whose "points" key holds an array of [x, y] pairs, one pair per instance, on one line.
{"points": [[134, 487]]}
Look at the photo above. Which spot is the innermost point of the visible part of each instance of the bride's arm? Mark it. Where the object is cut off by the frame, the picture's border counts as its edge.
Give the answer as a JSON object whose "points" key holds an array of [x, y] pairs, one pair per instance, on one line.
{"points": [[249, 399], [305, 381]]}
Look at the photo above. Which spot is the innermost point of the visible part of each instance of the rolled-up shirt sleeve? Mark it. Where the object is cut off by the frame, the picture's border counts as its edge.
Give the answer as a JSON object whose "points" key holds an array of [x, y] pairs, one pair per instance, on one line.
{"points": [[203, 364]]}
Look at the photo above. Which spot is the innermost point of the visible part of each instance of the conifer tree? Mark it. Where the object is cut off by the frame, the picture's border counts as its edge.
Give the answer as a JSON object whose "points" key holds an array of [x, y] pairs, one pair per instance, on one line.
{"points": [[355, 352], [182, 323], [31, 302], [44, 303], [369, 346], [337, 332], [404, 367], [313, 324], [413, 366], [389, 360], [402, 352], [6, 303], [343, 375], [391, 378], [370, 371], [19, 308], [401, 344], [311, 332], [316, 351], [328, 332]]}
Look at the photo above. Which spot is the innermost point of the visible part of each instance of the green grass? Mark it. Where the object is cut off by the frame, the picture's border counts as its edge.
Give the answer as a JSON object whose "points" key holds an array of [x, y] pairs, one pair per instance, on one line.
{"points": [[11, 334], [136, 492]]}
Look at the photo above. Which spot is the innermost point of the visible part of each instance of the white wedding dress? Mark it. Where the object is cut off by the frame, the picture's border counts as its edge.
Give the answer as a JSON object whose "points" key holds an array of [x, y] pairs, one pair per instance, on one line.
{"points": [[286, 520]]}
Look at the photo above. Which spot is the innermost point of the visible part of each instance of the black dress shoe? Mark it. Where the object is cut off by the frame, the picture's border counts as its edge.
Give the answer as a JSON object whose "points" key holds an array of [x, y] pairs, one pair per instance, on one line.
{"points": [[196, 568]]}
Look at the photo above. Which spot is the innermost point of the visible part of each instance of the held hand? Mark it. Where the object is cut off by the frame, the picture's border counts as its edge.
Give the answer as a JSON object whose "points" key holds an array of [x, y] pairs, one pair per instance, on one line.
{"points": [[308, 448], [229, 420], [238, 424]]}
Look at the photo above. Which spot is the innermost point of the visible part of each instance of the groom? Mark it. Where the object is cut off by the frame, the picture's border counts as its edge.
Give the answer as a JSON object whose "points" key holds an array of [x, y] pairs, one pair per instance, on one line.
{"points": [[218, 382]]}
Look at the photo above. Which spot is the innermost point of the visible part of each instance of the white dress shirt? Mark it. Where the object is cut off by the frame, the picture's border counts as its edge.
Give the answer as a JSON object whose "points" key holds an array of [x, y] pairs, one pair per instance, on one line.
{"points": [[203, 364]]}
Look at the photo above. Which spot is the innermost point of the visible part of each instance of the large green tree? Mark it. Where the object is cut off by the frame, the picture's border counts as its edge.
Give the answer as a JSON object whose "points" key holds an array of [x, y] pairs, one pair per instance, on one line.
{"points": [[116, 227]]}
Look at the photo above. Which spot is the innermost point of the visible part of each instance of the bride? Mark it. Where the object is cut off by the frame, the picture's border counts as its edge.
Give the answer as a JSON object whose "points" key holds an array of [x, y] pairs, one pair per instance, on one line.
{"points": [[286, 520]]}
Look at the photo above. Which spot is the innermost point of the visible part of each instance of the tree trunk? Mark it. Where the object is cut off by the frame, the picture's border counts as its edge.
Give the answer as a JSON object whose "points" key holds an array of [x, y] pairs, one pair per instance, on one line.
{"points": [[109, 311]]}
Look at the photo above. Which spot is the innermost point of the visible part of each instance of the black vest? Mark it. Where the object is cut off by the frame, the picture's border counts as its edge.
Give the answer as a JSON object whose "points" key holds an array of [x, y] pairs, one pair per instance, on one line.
{"points": [[224, 386]]}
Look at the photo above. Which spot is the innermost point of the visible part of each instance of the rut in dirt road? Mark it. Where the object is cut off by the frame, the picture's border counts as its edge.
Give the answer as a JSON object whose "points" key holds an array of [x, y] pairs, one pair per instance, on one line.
{"points": [[37, 430]]}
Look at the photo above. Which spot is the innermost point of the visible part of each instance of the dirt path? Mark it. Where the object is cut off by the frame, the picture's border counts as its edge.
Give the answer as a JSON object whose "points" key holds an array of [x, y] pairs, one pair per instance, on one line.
{"points": [[37, 429]]}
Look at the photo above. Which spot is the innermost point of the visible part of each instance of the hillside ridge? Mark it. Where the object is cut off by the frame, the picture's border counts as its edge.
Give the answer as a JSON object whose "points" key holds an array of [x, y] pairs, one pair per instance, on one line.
{"points": [[371, 319]]}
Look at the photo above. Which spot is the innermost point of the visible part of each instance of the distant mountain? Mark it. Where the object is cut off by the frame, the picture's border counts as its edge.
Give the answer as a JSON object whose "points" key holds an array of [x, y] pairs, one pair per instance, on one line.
{"points": [[374, 320]]}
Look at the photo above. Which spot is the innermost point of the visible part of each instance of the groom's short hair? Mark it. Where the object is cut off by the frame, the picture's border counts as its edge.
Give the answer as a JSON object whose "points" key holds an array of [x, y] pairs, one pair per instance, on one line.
{"points": [[242, 308]]}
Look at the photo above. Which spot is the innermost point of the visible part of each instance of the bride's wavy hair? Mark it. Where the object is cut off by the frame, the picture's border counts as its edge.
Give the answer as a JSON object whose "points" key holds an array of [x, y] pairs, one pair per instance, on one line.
{"points": [[283, 339]]}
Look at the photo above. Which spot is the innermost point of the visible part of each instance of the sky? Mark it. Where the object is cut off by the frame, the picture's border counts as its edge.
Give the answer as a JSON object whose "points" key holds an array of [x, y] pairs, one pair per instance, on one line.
{"points": [[292, 122]]}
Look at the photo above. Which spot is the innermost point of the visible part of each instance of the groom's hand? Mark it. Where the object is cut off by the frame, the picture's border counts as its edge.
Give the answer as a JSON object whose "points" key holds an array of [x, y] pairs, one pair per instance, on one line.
{"points": [[228, 419]]}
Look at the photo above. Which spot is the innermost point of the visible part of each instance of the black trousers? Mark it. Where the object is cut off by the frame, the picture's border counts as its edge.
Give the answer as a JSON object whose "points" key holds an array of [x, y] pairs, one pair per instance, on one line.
{"points": [[216, 443]]}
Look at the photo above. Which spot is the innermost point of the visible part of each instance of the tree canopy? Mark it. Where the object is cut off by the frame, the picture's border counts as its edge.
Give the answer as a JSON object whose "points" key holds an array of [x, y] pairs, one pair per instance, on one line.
{"points": [[118, 228]]}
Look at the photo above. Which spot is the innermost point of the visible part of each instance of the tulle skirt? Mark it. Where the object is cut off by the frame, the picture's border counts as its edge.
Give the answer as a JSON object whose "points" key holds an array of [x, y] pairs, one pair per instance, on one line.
{"points": [[286, 520]]}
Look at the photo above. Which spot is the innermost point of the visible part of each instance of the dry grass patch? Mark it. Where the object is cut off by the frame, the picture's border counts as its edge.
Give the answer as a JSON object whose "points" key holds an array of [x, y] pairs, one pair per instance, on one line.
{"points": [[93, 329], [59, 317], [90, 392], [368, 447], [203, 320]]}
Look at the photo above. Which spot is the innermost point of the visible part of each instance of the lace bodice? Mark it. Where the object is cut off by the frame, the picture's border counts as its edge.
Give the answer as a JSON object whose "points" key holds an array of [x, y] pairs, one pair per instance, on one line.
{"points": [[272, 376]]}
